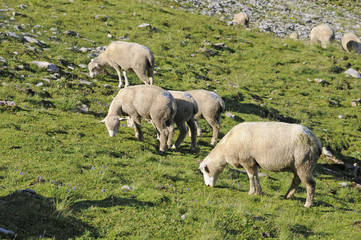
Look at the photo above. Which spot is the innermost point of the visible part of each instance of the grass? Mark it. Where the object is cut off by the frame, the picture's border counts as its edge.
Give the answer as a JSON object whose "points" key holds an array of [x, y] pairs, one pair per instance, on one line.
{"points": [[77, 171]]}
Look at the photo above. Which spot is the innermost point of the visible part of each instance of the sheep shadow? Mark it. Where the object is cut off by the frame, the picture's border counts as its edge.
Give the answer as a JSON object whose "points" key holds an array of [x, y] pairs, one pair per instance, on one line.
{"points": [[31, 216], [233, 104], [111, 201]]}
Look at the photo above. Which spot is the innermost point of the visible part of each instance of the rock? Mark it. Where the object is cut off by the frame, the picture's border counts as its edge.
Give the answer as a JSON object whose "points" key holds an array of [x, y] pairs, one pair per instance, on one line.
{"points": [[353, 73], [8, 103], [184, 216], [71, 33], [13, 35], [144, 25], [81, 81], [102, 17], [355, 102], [2, 59], [31, 40], [160, 187], [230, 115], [126, 187], [82, 65], [343, 184], [83, 108], [49, 66], [23, 6], [40, 84]]}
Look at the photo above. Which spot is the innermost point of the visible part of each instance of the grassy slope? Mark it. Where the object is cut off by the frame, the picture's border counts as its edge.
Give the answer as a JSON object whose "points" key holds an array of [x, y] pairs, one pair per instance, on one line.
{"points": [[82, 170]]}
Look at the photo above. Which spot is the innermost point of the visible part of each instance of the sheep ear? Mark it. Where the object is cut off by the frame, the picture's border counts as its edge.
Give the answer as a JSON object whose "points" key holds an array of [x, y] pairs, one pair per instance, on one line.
{"points": [[102, 121]]}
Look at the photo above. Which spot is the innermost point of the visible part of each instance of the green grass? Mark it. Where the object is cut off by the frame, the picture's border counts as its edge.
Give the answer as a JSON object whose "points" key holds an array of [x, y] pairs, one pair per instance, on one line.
{"points": [[78, 171]]}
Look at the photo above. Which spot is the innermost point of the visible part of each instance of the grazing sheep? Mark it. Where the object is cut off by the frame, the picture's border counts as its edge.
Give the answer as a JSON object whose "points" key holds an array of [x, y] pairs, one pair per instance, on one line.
{"points": [[322, 33], [186, 109], [241, 19], [274, 146], [294, 36], [125, 56], [350, 41], [144, 101], [210, 107]]}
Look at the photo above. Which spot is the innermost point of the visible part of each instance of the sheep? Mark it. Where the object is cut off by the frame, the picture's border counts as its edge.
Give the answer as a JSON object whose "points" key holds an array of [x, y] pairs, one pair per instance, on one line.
{"points": [[125, 56], [210, 107], [187, 107], [241, 19], [274, 146], [144, 101], [322, 33], [350, 41], [294, 36]]}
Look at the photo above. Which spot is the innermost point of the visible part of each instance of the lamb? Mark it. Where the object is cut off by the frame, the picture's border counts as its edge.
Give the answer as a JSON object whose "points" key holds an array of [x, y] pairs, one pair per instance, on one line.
{"points": [[274, 146], [241, 19], [187, 107], [125, 56], [350, 41], [210, 107], [322, 33], [144, 101]]}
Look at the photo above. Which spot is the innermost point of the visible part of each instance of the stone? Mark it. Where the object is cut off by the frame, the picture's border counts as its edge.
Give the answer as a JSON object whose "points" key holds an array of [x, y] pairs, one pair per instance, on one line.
{"points": [[81, 81], [49, 66], [353, 73], [126, 187], [230, 115], [8, 103], [13, 35], [143, 25], [83, 108]]}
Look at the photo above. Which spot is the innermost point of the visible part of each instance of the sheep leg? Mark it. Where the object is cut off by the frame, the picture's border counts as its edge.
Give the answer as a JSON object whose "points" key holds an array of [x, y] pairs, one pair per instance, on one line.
{"points": [[215, 123], [170, 127], [310, 183], [138, 128], [254, 185], [182, 134], [151, 75], [193, 129], [295, 183], [126, 79], [199, 129], [117, 68], [142, 77], [163, 132]]}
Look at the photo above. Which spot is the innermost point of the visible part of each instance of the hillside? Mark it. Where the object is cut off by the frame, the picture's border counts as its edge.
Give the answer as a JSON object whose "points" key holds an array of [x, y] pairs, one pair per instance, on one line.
{"points": [[82, 184]]}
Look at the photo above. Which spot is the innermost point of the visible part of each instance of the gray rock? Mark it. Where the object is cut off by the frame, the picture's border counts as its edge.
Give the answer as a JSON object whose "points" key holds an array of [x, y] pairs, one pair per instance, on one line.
{"points": [[82, 65], [81, 81], [8, 103], [49, 66], [143, 25], [31, 40], [71, 33], [83, 108], [13, 35], [2, 59], [230, 115], [40, 84], [353, 73], [126, 187]]}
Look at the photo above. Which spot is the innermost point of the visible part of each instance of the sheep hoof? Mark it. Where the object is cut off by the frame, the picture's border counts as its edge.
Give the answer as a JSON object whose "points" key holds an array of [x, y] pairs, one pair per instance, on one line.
{"points": [[308, 205]]}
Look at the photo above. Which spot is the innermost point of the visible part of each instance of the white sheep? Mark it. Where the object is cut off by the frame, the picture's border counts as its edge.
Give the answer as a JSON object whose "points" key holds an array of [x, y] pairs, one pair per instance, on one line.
{"points": [[273, 146], [322, 33], [241, 19], [350, 41], [187, 107], [210, 107], [125, 56], [144, 101]]}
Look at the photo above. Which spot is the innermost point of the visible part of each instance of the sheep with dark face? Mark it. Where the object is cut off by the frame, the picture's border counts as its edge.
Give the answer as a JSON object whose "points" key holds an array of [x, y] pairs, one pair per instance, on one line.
{"points": [[186, 109], [322, 33], [144, 101], [125, 56], [210, 107], [273, 146]]}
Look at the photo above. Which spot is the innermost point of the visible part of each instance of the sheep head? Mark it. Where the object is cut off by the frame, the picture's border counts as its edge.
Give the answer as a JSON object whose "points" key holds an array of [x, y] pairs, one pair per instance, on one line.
{"points": [[210, 178], [112, 123], [95, 68]]}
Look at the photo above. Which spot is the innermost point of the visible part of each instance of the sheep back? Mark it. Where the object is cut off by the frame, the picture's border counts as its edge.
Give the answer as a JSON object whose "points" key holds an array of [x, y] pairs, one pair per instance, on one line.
{"points": [[129, 55], [148, 101], [274, 146], [322, 33], [209, 103], [241, 19], [186, 106], [350, 41]]}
